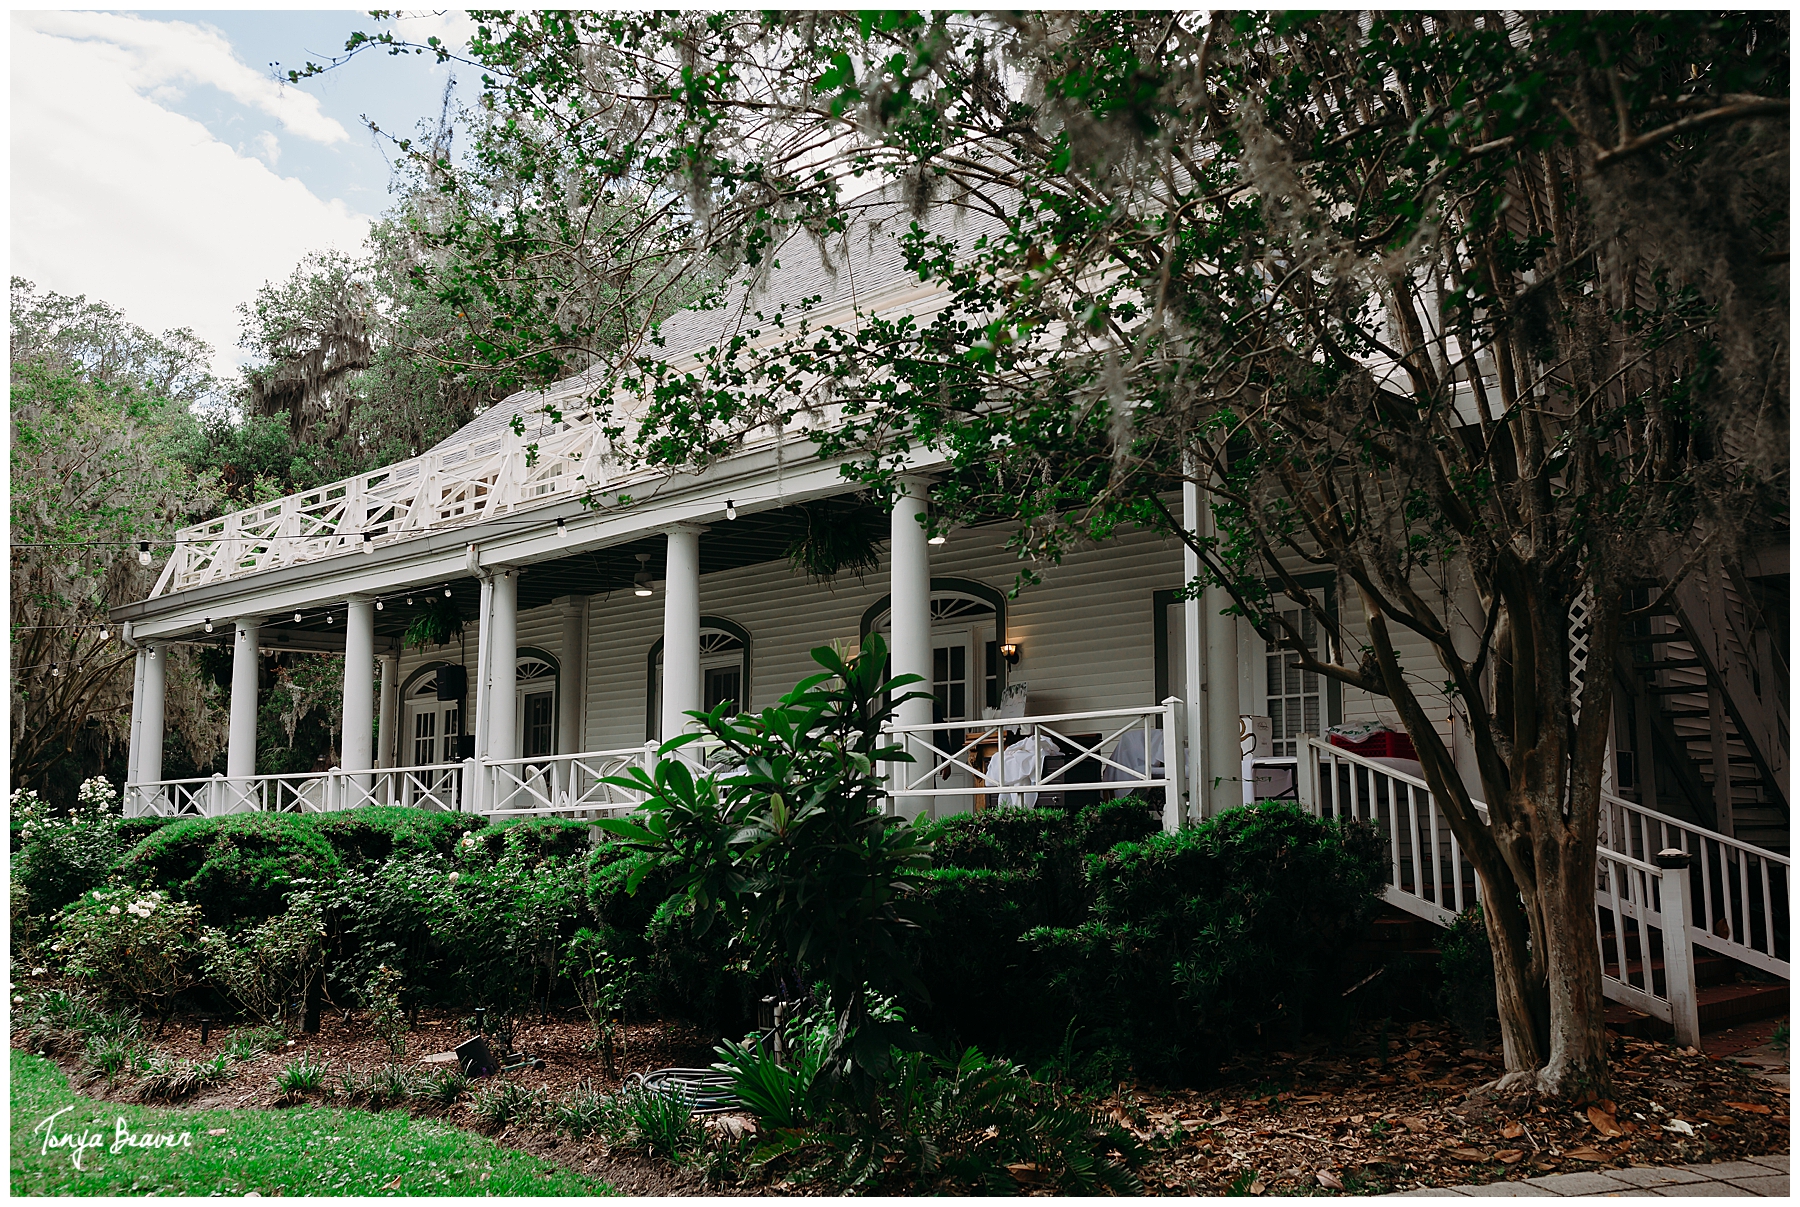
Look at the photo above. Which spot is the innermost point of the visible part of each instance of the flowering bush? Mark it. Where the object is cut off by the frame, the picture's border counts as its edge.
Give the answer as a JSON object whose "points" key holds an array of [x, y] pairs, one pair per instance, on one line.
{"points": [[386, 1014], [62, 856], [267, 967], [136, 947]]}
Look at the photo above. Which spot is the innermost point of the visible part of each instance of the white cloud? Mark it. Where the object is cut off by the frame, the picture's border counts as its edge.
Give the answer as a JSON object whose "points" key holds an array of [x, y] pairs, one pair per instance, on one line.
{"points": [[453, 27], [160, 56], [115, 197]]}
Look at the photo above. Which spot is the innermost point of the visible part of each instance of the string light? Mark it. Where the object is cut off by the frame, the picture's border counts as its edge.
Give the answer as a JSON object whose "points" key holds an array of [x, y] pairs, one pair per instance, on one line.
{"points": [[562, 529], [55, 671], [104, 635], [296, 618], [446, 592], [330, 619], [409, 601], [209, 624], [143, 553], [641, 580], [730, 510], [368, 542], [378, 605]]}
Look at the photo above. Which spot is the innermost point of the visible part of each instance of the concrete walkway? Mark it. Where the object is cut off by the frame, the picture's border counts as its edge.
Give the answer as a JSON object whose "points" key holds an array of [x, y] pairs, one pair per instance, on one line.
{"points": [[1757, 1176]]}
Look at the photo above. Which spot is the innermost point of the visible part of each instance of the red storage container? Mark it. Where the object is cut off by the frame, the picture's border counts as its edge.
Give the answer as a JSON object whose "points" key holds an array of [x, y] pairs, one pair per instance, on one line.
{"points": [[1386, 744]]}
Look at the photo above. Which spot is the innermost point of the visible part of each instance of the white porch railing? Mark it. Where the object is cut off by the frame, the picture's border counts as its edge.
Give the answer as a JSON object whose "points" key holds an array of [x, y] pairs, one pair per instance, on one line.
{"points": [[476, 479], [563, 785], [437, 786], [1646, 961], [1120, 749]]}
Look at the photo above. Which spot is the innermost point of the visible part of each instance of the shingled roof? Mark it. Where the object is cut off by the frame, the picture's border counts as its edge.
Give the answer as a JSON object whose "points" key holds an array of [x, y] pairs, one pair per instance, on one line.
{"points": [[860, 269]]}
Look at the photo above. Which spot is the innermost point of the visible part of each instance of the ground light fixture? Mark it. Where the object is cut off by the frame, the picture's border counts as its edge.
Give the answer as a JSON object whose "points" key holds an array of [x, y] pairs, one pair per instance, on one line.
{"points": [[641, 580], [143, 553]]}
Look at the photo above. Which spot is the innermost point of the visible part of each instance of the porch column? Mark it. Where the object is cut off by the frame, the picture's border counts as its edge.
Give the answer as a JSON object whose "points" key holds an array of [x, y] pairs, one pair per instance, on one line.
{"points": [[1224, 773], [147, 768], [359, 687], [240, 750], [387, 728], [1193, 628], [134, 752], [681, 630], [571, 710], [500, 697], [909, 615]]}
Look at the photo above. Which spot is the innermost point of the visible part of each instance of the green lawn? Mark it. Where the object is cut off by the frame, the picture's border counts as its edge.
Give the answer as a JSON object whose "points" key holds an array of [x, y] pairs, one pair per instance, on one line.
{"points": [[306, 1150]]}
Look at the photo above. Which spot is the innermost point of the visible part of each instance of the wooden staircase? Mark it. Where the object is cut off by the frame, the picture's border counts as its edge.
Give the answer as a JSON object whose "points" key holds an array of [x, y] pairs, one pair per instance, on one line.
{"points": [[1729, 993], [1703, 690]]}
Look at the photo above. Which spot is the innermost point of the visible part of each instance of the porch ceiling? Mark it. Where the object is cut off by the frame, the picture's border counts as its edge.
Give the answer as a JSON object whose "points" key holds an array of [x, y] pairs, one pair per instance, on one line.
{"points": [[749, 540]]}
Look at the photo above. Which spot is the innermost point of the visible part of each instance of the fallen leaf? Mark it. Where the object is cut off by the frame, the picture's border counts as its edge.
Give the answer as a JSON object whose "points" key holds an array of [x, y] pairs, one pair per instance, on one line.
{"points": [[1329, 1180], [215, 1131], [1512, 1131], [1257, 1187], [1413, 1123], [1604, 1122], [1715, 1119], [394, 1185], [1471, 1155], [1680, 1127], [1028, 1174], [1510, 1156], [1755, 1108], [1356, 1118], [1585, 1153]]}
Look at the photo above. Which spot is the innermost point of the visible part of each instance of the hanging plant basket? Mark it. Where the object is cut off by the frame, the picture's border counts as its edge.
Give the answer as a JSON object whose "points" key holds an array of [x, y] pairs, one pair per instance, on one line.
{"points": [[435, 624], [837, 536]]}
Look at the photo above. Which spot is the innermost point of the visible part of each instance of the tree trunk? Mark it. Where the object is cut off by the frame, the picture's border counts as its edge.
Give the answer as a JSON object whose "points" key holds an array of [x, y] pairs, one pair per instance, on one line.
{"points": [[1577, 1067]]}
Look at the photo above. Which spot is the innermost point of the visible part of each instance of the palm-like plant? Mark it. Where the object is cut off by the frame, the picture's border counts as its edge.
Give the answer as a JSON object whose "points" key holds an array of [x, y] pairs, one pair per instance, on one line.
{"points": [[787, 844]]}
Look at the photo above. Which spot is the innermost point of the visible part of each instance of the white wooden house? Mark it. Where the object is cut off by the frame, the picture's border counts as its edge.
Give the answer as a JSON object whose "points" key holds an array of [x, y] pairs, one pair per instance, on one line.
{"points": [[603, 601]]}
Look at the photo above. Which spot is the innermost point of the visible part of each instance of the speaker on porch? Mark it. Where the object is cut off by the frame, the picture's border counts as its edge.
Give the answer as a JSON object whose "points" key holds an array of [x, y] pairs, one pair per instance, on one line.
{"points": [[465, 746], [452, 682]]}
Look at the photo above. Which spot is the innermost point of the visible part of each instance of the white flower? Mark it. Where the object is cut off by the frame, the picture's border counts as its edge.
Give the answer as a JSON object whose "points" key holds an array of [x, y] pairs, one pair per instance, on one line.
{"points": [[112, 909], [455, 876]]}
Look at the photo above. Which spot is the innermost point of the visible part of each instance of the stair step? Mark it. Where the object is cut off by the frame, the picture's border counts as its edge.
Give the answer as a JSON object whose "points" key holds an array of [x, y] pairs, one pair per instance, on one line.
{"points": [[1727, 1005], [1671, 664], [1653, 638]]}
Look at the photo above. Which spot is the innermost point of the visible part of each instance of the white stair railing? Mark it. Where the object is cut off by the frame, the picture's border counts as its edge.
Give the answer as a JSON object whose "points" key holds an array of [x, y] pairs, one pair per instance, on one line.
{"points": [[1649, 919]]}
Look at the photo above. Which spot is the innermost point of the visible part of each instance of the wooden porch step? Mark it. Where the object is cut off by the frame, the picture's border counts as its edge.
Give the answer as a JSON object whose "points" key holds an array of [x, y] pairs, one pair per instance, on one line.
{"points": [[1721, 1006]]}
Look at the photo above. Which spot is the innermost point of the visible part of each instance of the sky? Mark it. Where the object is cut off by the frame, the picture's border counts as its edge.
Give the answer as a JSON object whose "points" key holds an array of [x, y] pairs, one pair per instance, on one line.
{"points": [[159, 165]]}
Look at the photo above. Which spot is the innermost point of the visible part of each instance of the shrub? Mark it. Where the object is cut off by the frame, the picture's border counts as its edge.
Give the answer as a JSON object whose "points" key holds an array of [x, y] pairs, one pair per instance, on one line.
{"points": [[134, 947], [605, 981], [62, 857], [653, 1123], [1467, 966], [247, 1043], [57, 1022], [237, 867], [268, 966], [445, 1086], [110, 1055], [170, 1080], [976, 973], [500, 1104], [538, 838], [300, 1077], [373, 834], [588, 1111], [387, 1085], [1201, 940], [387, 1016]]}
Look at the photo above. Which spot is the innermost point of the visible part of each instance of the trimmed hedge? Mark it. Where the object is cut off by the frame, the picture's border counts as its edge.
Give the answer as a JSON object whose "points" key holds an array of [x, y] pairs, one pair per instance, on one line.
{"points": [[376, 833], [237, 867]]}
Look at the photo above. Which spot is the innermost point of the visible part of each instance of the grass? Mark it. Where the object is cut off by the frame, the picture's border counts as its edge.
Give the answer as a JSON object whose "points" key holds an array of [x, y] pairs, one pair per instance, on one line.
{"points": [[303, 1150]]}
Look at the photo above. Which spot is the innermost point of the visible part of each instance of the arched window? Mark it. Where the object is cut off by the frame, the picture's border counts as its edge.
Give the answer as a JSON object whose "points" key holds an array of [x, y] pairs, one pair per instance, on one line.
{"points": [[968, 623], [724, 671]]}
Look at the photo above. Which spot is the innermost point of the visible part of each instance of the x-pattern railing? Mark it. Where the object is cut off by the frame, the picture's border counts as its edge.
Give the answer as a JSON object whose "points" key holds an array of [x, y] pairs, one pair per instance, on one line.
{"points": [[564, 784], [477, 479], [941, 750]]}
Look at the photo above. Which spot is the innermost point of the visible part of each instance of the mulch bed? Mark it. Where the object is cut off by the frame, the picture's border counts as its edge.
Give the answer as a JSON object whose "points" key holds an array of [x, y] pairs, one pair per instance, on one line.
{"points": [[1313, 1121]]}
